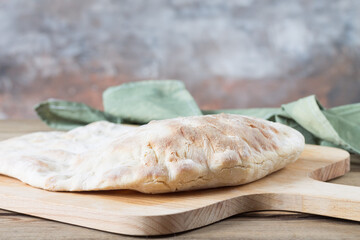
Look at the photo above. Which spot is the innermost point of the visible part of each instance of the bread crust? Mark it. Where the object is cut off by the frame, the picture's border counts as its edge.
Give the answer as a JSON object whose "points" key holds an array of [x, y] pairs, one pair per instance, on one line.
{"points": [[163, 156]]}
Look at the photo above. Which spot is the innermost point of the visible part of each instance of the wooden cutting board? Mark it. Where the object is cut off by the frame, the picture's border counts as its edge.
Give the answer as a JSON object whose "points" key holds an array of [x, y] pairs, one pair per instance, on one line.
{"points": [[298, 187]]}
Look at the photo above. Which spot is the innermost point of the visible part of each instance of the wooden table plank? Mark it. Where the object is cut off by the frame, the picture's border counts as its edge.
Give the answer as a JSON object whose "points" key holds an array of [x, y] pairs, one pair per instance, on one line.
{"points": [[257, 225], [13, 128], [261, 225]]}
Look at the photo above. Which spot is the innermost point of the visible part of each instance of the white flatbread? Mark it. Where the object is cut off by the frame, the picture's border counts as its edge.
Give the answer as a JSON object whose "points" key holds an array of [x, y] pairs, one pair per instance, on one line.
{"points": [[163, 156]]}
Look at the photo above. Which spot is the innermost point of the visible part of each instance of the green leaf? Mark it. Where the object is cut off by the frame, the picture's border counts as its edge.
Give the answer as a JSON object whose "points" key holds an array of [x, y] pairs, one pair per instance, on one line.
{"points": [[141, 102], [346, 124], [310, 115], [66, 115]]}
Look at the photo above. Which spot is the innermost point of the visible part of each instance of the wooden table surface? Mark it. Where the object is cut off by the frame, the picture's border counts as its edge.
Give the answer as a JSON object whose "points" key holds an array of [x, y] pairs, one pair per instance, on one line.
{"points": [[254, 225]]}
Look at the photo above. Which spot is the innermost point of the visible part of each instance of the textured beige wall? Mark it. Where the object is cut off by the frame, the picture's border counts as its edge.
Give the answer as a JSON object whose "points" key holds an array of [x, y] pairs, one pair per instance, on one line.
{"points": [[230, 54]]}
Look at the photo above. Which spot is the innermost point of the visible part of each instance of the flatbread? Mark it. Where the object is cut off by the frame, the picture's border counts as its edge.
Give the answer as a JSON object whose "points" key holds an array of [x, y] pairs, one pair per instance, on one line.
{"points": [[163, 156]]}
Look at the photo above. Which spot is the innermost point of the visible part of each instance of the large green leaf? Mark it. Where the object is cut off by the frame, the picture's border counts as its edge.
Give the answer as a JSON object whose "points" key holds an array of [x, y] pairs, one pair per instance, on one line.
{"points": [[66, 115], [141, 102]]}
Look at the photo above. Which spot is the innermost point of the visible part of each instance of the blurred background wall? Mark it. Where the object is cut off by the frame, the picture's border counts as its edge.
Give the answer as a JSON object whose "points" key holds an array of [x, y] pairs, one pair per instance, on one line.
{"points": [[230, 54]]}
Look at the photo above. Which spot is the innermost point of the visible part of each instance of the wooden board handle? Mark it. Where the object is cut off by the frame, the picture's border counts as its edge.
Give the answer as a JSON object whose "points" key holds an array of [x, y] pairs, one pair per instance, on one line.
{"points": [[315, 197], [333, 200]]}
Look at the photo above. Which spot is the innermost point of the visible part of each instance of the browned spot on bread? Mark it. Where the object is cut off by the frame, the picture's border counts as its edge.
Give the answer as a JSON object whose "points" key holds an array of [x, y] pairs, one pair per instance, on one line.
{"points": [[36, 162], [274, 129], [173, 157]]}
